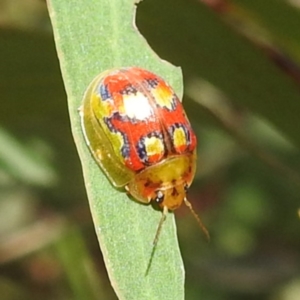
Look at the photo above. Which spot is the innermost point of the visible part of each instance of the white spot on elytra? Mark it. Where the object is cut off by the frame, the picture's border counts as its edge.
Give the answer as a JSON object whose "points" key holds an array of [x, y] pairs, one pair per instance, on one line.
{"points": [[137, 106]]}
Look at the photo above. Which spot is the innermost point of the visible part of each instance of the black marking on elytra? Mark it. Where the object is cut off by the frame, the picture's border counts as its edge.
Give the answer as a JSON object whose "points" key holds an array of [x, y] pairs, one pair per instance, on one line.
{"points": [[125, 119], [128, 89], [175, 126], [141, 147], [125, 148], [152, 82], [174, 101], [104, 92]]}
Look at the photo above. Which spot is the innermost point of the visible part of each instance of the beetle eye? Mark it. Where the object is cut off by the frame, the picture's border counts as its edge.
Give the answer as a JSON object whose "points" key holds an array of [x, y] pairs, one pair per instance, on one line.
{"points": [[186, 188], [159, 197]]}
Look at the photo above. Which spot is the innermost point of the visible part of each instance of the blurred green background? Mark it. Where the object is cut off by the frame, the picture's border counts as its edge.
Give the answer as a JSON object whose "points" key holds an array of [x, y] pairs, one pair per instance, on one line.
{"points": [[240, 64]]}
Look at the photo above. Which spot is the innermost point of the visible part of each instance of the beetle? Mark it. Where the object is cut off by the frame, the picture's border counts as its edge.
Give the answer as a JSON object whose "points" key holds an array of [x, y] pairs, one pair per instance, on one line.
{"points": [[137, 131]]}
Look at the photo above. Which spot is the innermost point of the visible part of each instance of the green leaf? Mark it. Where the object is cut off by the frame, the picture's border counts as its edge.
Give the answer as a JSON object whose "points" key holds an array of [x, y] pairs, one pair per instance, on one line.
{"points": [[92, 36]]}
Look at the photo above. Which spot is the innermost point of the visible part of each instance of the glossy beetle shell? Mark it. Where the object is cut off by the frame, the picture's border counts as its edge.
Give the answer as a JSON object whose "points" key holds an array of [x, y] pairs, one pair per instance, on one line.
{"points": [[138, 132]]}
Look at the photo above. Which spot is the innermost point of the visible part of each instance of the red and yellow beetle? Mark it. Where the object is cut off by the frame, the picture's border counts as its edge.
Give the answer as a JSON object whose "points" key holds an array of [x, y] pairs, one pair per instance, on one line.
{"points": [[139, 134]]}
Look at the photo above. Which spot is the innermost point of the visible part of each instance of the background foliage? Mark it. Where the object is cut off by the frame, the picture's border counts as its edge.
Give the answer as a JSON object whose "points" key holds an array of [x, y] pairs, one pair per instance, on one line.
{"points": [[240, 64]]}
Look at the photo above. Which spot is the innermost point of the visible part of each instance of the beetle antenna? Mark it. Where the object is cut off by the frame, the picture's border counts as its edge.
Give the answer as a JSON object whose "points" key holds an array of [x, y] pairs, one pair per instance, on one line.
{"points": [[202, 226], [162, 219], [158, 230]]}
